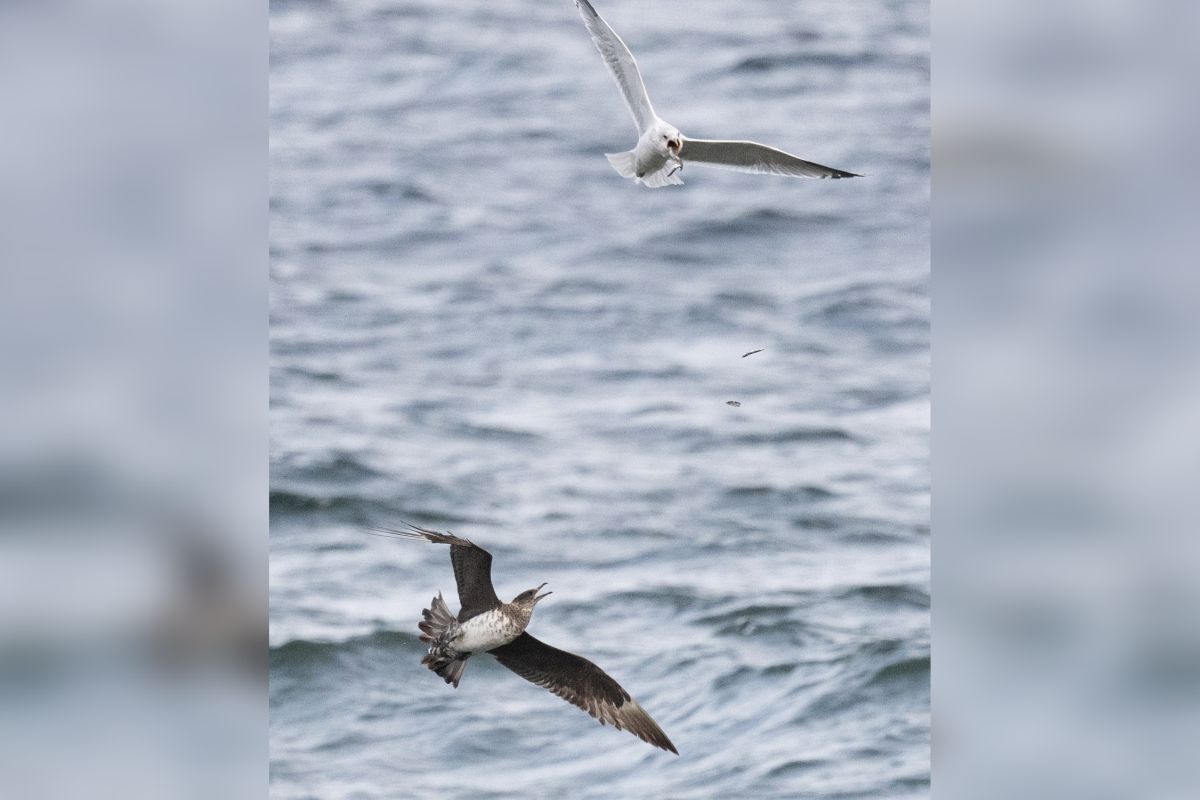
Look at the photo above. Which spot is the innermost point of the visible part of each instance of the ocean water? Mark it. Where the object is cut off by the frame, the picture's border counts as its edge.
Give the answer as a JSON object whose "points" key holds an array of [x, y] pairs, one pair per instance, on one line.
{"points": [[477, 325]]}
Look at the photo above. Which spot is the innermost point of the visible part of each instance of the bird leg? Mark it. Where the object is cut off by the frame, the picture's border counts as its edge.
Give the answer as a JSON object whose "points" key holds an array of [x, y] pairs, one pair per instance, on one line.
{"points": [[675, 150]]}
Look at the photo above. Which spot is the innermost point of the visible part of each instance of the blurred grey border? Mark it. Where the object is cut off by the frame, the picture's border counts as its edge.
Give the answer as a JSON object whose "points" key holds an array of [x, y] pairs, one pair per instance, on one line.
{"points": [[133, 461], [133, 443], [1066, 646]]}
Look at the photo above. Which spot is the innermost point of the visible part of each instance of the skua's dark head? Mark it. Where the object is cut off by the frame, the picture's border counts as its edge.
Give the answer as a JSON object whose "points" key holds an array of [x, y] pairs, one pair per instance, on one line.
{"points": [[530, 597]]}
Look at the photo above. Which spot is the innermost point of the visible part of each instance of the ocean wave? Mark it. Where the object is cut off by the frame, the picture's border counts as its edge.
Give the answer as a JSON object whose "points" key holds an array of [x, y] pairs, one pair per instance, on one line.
{"points": [[793, 494], [760, 222], [790, 61], [890, 595], [283, 502], [307, 652], [799, 434], [877, 670], [336, 466]]}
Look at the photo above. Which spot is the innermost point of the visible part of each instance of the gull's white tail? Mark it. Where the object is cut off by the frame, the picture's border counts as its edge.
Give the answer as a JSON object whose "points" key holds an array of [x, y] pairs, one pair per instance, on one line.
{"points": [[624, 163], [667, 175]]}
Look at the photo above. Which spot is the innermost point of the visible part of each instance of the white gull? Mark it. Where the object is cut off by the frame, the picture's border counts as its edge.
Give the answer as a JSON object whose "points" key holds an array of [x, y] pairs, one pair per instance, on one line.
{"points": [[659, 155]]}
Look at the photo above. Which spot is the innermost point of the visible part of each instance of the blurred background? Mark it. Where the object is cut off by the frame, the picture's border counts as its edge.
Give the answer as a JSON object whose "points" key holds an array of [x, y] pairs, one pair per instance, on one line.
{"points": [[1066, 455], [133, 442], [477, 325]]}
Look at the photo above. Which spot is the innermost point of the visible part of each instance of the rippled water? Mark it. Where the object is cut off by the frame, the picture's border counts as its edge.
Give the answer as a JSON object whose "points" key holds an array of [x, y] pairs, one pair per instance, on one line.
{"points": [[477, 325]]}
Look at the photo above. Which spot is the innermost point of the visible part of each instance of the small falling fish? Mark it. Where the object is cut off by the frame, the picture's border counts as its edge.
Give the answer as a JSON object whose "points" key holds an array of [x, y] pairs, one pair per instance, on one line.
{"points": [[752, 352], [733, 403]]}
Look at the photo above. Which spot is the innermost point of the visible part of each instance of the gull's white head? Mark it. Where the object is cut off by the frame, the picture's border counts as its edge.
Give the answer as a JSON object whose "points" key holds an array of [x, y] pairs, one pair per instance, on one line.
{"points": [[668, 141]]}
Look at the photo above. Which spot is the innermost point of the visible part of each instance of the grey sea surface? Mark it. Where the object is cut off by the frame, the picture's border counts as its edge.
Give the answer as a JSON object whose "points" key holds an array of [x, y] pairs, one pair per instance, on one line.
{"points": [[477, 325]]}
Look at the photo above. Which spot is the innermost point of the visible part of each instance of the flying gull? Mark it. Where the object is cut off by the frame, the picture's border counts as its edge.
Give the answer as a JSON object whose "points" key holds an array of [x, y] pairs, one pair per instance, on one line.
{"points": [[661, 148], [484, 624]]}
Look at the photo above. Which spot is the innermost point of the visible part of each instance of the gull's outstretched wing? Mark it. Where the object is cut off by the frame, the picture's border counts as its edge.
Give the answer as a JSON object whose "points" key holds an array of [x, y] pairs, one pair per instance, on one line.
{"points": [[472, 569], [620, 62], [582, 683], [754, 157]]}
